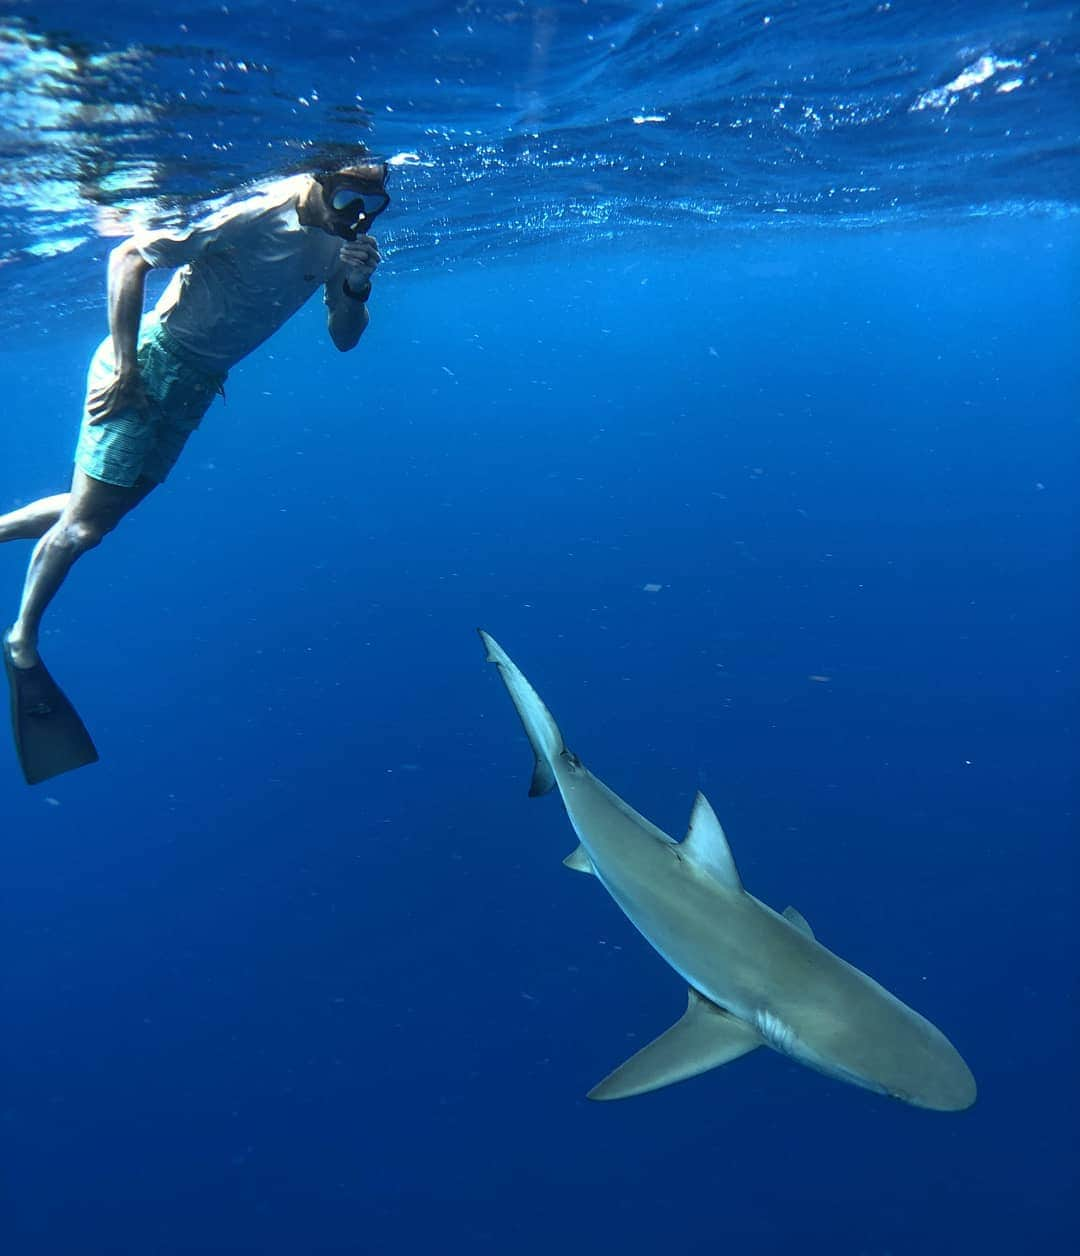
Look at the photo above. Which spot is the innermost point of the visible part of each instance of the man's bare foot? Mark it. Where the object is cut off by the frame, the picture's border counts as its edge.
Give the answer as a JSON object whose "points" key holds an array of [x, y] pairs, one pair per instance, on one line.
{"points": [[22, 654]]}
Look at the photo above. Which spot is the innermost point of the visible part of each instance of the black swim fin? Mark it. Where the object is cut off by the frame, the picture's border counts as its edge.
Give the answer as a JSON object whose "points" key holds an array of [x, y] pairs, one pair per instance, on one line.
{"points": [[49, 736]]}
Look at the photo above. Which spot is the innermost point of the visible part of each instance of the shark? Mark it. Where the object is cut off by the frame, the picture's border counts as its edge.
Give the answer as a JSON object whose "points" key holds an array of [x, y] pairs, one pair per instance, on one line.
{"points": [[754, 976]]}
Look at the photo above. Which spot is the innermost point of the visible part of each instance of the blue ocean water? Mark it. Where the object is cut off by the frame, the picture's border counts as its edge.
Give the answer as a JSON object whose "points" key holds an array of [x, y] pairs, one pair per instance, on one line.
{"points": [[723, 365]]}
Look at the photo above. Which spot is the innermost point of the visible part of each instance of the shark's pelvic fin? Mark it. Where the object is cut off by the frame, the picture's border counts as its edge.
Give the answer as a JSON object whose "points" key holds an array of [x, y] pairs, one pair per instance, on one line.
{"points": [[705, 1037], [579, 861], [706, 845], [796, 918], [540, 727]]}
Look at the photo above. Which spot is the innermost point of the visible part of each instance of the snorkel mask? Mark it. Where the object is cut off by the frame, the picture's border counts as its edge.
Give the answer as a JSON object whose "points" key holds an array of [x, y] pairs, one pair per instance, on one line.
{"points": [[355, 197]]}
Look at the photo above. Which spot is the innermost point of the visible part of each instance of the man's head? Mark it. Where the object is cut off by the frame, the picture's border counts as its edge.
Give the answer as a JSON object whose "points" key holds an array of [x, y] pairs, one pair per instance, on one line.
{"points": [[352, 197]]}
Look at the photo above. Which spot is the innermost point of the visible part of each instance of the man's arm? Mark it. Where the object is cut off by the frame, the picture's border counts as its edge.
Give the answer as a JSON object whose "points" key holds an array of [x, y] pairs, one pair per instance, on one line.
{"points": [[348, 291], [347, 316], [126, 292]]}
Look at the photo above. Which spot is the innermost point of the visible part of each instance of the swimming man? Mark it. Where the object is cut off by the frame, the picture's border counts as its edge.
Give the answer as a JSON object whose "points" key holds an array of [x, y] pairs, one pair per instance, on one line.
{"points": [[240, 274]]}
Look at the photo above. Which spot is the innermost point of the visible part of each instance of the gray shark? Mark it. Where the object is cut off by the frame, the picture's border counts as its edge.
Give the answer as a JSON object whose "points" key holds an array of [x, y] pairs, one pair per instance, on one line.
{"points": [[756, 977]]}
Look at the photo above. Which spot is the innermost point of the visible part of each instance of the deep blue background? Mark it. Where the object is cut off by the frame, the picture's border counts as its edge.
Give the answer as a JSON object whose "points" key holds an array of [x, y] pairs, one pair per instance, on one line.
{"points": [[296, 968]]}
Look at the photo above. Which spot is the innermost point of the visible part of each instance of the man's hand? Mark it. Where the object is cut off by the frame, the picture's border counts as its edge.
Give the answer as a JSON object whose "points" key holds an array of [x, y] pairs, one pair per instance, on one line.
{"points": [[122, 392], [361, 257]]}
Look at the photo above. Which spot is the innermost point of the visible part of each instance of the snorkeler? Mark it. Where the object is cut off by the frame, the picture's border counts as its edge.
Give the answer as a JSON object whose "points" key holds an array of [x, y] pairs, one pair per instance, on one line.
{"points": [[240, 274]]}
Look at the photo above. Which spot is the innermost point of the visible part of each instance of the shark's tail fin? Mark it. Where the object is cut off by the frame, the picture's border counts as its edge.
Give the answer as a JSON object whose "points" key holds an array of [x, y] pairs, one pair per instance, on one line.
{"points": [[540, 726]]}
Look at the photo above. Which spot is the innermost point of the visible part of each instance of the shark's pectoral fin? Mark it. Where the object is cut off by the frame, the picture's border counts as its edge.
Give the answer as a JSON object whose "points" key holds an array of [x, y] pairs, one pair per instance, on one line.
{"points": [[579, 861], [705, 1037], [706, 845], [796, 918]]}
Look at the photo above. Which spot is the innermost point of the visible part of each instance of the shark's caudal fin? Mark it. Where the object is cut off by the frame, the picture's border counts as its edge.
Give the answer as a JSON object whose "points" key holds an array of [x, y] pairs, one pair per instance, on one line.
{"points": [[540, 726]]}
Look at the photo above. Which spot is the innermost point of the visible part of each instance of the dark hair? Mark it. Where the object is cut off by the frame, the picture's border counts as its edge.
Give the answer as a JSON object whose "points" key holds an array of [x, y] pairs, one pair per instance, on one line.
{"points": [[368, 171], [329, 158]]}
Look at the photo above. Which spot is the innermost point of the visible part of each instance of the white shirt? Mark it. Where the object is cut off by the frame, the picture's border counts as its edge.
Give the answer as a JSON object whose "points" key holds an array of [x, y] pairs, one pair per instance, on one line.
{"points": [[243, 271]]}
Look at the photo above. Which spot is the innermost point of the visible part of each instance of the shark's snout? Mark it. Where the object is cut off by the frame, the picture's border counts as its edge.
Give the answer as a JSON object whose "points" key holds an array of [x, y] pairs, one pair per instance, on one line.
{"points": [[951, 1087]]}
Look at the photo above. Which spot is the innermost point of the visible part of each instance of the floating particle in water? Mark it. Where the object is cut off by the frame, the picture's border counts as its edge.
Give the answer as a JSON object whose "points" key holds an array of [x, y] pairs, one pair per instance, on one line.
{"points": [[651, 588]]}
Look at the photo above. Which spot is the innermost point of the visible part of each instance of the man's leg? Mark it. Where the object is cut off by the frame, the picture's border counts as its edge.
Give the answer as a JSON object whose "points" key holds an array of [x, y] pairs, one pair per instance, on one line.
{"points": [[92, 509], [33, 521]]}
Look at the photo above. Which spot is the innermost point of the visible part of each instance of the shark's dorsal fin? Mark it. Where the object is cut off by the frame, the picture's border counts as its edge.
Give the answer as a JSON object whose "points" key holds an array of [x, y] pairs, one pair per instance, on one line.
{"points": [[796, 918], [579, 861], [705, 1037], [706, 845]]}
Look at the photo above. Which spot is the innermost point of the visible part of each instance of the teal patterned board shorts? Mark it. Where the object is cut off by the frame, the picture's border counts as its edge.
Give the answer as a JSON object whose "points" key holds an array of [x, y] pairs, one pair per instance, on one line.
{"points": [[134, 445]]}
